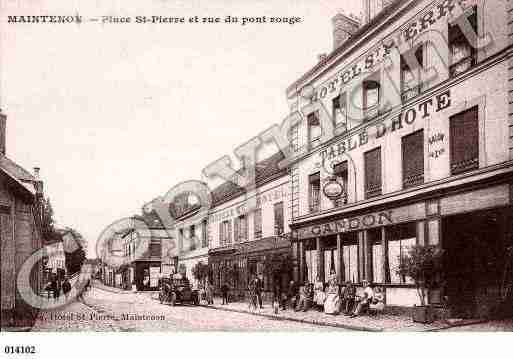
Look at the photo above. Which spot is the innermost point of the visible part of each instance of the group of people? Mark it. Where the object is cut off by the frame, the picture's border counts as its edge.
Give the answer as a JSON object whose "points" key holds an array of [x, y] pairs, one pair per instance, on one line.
{"points": [[331, 299], [57, 287]]}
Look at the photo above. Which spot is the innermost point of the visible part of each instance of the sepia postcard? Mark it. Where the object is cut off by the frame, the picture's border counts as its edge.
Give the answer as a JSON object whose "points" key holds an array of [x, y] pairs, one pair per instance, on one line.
{"points": [[262, 166]]}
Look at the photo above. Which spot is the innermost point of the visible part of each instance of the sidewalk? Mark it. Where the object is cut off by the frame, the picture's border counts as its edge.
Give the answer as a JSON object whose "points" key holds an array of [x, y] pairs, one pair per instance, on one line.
{"points": [[378, 323]]}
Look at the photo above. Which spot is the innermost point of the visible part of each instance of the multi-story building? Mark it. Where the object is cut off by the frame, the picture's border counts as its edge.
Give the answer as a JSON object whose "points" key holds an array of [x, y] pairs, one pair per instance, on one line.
{"points": [[246, 242], [21, 196], [415, 156]]}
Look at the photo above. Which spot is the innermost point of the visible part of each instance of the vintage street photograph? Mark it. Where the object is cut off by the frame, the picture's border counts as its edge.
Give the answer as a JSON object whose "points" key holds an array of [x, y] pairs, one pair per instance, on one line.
{"points": [[319, 167]]}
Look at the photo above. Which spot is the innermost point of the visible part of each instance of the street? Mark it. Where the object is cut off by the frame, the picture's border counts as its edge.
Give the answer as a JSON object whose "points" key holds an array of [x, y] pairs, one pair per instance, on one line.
{"points": [[108, 311]]}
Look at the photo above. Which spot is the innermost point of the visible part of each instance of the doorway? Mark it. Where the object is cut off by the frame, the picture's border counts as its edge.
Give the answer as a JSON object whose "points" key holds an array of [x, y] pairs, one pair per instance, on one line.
{"points": [[475, 247]]}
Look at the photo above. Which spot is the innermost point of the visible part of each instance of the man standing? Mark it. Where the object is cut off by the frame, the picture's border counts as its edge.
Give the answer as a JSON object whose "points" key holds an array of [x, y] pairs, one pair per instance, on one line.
{"points": [[224, 293], [258, 290]]}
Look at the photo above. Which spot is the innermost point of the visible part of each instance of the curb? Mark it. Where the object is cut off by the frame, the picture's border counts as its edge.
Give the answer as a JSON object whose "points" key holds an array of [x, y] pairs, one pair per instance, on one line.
{"points": [[457, 325], [305, 321]]}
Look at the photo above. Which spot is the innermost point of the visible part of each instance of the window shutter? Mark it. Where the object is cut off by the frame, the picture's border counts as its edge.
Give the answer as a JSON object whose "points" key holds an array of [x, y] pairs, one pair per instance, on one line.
{"points": [[413, 159], [221, 237], [236, 224], [228, 232], [464, 141], [373, 173]]}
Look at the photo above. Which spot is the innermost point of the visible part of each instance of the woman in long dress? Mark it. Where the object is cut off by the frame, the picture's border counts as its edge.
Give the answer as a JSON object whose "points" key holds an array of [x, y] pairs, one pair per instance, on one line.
{"points": [[319, 295], [332, 303]]}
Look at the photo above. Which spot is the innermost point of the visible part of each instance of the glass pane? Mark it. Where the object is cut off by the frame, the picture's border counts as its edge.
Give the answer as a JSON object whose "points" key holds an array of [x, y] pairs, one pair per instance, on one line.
{"points": [[377, 263], [394, 251]]}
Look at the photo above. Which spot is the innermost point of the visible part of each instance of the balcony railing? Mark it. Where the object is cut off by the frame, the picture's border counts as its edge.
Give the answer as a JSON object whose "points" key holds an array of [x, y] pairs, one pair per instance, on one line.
{"points": [[464, 166], [373, 190], [413, 180]]}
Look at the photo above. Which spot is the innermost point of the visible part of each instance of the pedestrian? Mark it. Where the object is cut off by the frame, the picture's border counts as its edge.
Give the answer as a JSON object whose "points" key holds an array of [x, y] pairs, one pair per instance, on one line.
{"points": [[224, 293], [292, 295], [209, 293], [55, 288], [66, 287], [258, 291], [277, 298]]}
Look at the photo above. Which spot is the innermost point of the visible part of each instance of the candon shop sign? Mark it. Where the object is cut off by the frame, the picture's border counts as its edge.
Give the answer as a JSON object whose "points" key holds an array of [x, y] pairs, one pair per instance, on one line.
{"points": [[371, 220]]}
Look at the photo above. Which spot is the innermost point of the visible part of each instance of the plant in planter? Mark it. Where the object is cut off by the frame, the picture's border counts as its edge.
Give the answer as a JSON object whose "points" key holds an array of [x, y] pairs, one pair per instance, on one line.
{"points": [[423, 264]]}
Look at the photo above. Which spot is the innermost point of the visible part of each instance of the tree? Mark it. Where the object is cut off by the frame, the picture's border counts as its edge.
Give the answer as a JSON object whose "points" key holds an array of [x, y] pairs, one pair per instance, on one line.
{"points": [[422, 263], [75, 254], [48, 222]]}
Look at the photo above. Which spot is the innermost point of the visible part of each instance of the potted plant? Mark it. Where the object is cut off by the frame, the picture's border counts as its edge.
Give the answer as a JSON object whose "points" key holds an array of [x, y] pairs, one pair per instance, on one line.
{"points": [[423, 264]]}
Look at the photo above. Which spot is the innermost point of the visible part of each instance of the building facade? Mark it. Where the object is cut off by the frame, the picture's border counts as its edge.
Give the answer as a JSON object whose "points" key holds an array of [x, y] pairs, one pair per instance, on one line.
{"points": [[388, 155], [245, 242], [21, 196]]}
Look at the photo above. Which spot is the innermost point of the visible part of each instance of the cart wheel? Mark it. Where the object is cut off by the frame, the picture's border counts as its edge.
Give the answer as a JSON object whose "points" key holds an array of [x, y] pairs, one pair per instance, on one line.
{"points": [[173, 299]]}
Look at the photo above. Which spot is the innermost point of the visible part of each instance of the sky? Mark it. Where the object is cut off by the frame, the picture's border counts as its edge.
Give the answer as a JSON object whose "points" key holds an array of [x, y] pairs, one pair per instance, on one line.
{"points": [[117, 114]]}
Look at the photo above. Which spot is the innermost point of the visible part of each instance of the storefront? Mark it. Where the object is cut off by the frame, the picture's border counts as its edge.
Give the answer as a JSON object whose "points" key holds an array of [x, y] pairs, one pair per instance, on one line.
{"points": [[473, 224], [269, 258]]}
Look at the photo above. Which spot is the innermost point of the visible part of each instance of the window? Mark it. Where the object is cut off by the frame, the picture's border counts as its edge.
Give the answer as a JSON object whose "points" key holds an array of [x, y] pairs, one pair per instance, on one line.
{"points": [[464, 131], [400, 239], [155, 250], [180, 239], [378, 275], [192, 237], [257, 222], [410, 77], [373, 173], [204, 234], [314, 130], [371, 97], [350, 256], [278, 219], [294, 137], [463, 53], [413, 159], [225, 233], [315, 192], [240, 229], [340, 173], [340, 111]]}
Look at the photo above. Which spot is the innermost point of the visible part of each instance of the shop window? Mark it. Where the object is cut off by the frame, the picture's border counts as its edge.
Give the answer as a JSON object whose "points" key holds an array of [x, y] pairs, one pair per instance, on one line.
{"points": [[278, 219], [410, 77], [331, 263], [315, 192], [192, 237], [294, 137], [378, 257], [240, 228], [340, 171], [371, 97], [463, 53], [350, 257], [314, 130], [257, 221], [399, 240], [373, 173], [204, 234], [413, 159], [340, 111], [464, 132]]}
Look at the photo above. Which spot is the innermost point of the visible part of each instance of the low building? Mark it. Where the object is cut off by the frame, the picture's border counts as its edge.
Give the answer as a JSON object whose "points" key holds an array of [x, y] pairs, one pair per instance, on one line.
{"points": [[246, 242], [21, 195]]}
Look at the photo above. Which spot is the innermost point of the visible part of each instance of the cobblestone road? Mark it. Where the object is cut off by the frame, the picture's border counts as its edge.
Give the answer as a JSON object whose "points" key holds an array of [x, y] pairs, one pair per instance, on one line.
{"points": [[107, 311]]}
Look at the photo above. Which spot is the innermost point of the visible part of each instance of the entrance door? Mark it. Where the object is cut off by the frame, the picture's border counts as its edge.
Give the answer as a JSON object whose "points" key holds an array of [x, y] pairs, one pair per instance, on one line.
{"points": [[475, 246]]}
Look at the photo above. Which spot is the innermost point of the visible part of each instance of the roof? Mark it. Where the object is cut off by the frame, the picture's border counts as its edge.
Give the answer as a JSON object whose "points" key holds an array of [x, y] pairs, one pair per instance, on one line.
{"points": [[265, 170], [18, 174], [358, 35], [16, 170]]}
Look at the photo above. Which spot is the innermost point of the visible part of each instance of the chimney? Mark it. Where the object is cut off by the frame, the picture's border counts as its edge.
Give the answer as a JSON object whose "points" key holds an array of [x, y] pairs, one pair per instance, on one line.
{"points": [[322, 57], [36, 172], [38, 184], [3, 128], [343, 28]]}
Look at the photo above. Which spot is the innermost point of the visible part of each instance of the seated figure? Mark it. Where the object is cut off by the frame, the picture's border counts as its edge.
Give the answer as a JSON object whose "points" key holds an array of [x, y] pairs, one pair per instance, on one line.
{"points": [[333, 303], [364, 303], [348, 298], [378, 303]]}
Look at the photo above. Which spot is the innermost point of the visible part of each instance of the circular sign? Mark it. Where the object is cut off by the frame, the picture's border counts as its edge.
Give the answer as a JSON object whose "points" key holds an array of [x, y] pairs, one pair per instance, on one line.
{"points": [[333, 189]]}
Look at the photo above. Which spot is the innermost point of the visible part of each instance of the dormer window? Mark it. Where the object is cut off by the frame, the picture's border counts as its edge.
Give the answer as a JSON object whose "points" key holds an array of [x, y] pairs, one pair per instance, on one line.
{"points": [[314, 130], [371, 97], [463, 53], [410, 76]]}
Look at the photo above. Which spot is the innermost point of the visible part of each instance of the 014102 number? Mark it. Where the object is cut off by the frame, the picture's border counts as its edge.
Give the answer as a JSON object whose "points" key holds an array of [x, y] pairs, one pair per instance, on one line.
{"points": [[20, 349]]}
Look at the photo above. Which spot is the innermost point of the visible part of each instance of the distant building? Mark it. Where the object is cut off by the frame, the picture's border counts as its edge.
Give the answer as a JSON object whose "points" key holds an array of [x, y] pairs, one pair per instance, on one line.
{"points": [[20, 233]]}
